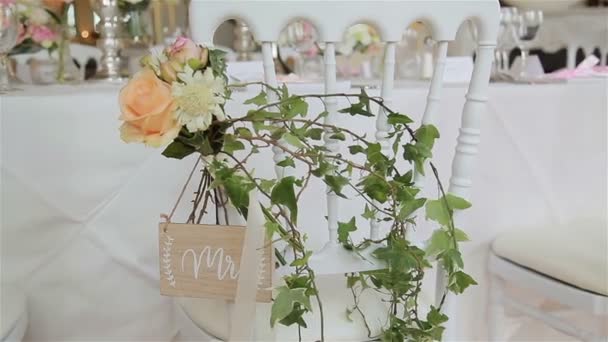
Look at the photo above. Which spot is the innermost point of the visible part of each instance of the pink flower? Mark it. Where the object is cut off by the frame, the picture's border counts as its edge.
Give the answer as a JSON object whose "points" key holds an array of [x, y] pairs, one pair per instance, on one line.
{"points": [[184, 49], [43, 34], [7, 2]]}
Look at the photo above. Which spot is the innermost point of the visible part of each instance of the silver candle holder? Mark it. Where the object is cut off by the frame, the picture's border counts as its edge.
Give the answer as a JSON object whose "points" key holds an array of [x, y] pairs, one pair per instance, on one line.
{"points": [[112, 66], [244, 43]]}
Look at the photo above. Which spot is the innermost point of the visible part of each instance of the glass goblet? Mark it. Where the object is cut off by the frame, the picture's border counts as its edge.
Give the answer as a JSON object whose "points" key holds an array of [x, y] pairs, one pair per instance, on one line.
{"points": [[529, 23], [9, 29]]}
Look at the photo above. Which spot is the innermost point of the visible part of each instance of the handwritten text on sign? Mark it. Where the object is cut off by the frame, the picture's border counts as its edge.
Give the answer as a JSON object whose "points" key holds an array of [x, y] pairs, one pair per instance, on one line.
{"points": [[203, 261]]}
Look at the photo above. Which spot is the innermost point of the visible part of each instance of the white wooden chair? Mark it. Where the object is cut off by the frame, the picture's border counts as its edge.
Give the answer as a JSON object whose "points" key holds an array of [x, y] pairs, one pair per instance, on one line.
{"points": [[331, 18], [567, 264]]}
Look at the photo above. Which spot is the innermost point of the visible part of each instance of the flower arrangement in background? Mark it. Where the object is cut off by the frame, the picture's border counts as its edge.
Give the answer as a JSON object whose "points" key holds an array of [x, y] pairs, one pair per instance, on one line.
{"points": [[40, 26], [361, 38], [177, 101]]}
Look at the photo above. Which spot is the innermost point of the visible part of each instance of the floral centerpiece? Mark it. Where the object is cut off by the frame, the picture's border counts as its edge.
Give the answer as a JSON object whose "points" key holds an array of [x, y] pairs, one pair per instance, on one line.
{"points": [[177, 102], [43, 25], [39, 27]]}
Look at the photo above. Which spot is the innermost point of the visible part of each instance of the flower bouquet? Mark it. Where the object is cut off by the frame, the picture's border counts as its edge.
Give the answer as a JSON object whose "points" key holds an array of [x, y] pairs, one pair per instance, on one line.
{"points": [[177, 102], [43, 25]]}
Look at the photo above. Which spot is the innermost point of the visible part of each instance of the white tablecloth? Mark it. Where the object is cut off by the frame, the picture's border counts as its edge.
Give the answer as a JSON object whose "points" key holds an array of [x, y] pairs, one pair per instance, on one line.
{"points": [[79, 207]]}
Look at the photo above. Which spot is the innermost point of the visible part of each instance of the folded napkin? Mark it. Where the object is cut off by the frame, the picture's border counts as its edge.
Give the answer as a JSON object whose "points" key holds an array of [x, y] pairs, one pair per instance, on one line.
{"points": [[587, 68]]}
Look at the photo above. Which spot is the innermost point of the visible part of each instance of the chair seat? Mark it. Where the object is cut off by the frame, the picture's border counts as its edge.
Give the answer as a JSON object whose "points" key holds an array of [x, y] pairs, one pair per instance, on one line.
{"points": [[575, 253]]}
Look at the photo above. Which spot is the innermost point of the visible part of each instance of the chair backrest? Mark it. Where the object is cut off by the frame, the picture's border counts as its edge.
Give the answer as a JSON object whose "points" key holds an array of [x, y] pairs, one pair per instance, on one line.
{"points": [[331, 18]]}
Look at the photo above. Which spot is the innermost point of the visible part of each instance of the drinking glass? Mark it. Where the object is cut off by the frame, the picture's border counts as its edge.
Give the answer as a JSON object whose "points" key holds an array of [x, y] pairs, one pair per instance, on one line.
{"points": [[508, 37], [8, 39], [529, 23]]}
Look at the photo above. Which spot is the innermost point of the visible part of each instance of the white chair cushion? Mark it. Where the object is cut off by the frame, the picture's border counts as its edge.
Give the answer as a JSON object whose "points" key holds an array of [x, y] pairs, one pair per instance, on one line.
{"points": [[575, 253]]}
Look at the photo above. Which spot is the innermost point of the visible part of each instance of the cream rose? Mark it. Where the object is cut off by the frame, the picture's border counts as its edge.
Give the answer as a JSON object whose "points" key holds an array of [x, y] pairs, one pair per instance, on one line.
{"points": [[147, 110]]}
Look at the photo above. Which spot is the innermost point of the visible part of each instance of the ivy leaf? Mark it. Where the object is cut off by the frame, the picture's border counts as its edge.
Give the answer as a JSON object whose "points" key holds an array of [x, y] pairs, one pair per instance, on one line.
{"points": [[409, 207], [267, 184], [301, 261], [460, 235], [285, 301], [357, 109], [231, 144], [277, 132], [237, 190], [398, 119], [435, 317], [178, 150], [438, 243], [243, 132], [297, 106], [354, 149], [436, 211], [460, 281], [293, 140], [452, 259], [295, 317], [336, 183], [271, 228], [456, 202], [314, 133], [375, 187], [287, 162], [426, 135], [364, 99], [344, 230], [258, 100], [283, 194], [368, 213], [338, 136], [397, 255]]}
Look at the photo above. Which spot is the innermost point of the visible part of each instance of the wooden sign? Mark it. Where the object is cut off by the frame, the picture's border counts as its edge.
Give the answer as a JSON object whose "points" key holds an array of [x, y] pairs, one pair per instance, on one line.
{"points": [[203, 261]]}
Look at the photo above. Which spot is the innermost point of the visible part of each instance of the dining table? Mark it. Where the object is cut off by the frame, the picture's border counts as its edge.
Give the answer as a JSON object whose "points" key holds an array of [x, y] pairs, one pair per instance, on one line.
{"points": [[80, 208]]}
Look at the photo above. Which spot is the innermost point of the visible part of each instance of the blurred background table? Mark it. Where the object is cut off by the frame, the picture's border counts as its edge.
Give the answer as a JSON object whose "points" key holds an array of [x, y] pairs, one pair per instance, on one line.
{"points": [[80, 208]]}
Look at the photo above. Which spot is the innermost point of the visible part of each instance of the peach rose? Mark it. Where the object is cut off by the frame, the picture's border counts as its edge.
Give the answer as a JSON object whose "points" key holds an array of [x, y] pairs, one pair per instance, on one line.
{"points": [[147, 109]]}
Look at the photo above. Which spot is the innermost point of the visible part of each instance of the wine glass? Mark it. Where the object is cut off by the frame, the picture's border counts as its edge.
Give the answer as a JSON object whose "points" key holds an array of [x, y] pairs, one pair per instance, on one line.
{"points": [[529, 23], [9, 29], [508, 36]]}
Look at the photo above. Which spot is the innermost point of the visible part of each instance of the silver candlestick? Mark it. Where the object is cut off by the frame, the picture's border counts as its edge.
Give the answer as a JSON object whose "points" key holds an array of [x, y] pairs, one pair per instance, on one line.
{"points": [[243, 42], [112, 66]]}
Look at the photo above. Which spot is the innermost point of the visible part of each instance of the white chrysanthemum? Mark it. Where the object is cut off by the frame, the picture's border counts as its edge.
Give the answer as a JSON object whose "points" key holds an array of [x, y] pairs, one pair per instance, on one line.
{"points": [[198, 98]]}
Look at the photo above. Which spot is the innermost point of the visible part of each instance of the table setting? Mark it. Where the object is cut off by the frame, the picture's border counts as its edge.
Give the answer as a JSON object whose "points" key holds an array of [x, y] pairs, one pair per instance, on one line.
{"points": [[93, 196]]}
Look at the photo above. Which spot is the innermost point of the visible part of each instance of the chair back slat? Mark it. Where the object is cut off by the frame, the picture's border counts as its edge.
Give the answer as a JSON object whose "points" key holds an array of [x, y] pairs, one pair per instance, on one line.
{"points": [[270, 78], [433, 99], [382, 127], [333, 145]]}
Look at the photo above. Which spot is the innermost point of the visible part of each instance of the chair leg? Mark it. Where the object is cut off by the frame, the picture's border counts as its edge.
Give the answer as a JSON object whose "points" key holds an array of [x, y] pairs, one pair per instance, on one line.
{"points": [[496, 310]]}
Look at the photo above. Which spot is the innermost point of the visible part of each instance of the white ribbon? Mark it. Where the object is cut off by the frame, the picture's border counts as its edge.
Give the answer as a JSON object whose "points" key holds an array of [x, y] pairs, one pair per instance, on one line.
{"points": [[244, 310]]}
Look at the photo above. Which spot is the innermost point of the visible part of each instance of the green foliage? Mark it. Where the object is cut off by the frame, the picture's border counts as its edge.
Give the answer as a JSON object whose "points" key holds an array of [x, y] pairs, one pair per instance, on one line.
{"points": [[258, 100], [286, 300], [283, 194], [376, 176], [178, 150], [344, 230]]}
